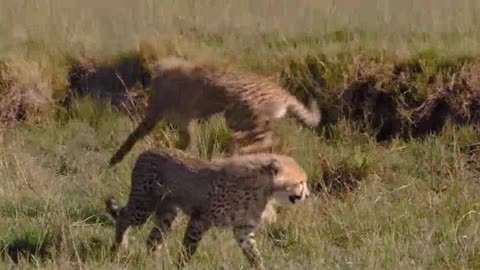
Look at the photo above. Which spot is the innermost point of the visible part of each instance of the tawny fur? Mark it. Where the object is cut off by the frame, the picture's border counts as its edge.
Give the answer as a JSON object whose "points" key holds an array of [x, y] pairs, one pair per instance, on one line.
{"points": [[184, 92], [231, 192]]}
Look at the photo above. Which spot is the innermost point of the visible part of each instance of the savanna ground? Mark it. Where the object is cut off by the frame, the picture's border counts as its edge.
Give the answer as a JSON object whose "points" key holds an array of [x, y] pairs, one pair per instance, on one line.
{"points": [[394, 165]]}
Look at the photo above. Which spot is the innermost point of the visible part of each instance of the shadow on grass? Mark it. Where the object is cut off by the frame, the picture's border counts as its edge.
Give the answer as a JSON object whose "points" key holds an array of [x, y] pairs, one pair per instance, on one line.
{"points": [[30, 245], [39, 247]]}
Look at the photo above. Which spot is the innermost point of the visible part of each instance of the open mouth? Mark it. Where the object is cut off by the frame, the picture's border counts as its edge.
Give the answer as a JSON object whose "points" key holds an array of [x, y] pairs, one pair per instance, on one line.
{"points": [[294, 198]]}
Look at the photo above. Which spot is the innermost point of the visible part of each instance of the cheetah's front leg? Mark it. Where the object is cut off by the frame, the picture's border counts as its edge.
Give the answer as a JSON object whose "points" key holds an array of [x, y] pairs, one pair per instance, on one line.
{"points": [[164, 217], [245, 237], [269, 215], [194, 233], [121, 238]]}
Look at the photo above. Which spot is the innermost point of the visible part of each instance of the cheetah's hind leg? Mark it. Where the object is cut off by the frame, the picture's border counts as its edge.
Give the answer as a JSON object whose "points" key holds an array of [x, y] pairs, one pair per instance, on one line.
{"points": [[245, 237], [263, 142], [186, 133]]}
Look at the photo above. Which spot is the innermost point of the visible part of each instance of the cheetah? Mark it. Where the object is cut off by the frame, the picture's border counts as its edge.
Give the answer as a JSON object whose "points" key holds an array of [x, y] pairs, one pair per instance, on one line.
{"points": [[184, 93], [229, 192]]}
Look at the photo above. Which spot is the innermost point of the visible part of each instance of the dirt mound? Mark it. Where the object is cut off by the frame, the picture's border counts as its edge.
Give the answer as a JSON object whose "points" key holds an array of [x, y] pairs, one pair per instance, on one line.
{"points": [[340, 178], [462, 91], [24, 90], [119, 82], [429, 118], [362, 102], [457, 97], [385, 98], [373, 98]]}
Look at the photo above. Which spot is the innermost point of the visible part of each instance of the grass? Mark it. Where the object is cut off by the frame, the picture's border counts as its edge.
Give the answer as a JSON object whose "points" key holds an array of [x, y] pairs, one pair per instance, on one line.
{"points": [[415, 208], [250, 33], [415, 205]]}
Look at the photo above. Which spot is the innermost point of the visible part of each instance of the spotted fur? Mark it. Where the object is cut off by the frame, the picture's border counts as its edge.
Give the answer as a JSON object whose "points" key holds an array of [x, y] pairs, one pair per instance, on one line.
{"points": [[184, 92], [230, 192]]}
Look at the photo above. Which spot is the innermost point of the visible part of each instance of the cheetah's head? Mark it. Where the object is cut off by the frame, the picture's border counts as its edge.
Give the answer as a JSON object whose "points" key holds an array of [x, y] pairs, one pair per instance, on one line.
{"points": [[289, 180]]}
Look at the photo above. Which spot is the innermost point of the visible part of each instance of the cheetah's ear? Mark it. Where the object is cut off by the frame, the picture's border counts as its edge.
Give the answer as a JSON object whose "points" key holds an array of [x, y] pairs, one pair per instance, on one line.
{"points": [[273, 166]]}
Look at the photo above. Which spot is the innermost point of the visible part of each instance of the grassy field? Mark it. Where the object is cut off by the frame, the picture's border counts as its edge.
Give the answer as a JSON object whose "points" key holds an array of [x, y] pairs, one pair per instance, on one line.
{"points": [[415, 205]]}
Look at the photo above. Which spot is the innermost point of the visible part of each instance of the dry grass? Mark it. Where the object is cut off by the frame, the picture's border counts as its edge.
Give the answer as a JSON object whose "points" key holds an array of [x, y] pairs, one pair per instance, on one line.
{"points": [[254, 33], [24, 89]]}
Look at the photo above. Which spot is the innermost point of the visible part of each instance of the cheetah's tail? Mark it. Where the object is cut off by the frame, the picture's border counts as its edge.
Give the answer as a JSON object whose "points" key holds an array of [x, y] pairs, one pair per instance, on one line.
{"points": [[112, 207], [143, 129], [310, 117]]}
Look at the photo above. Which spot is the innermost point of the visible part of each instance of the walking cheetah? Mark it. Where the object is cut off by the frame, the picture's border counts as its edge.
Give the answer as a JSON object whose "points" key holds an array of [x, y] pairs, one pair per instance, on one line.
{"points": [[229, 192], [184, 92]]}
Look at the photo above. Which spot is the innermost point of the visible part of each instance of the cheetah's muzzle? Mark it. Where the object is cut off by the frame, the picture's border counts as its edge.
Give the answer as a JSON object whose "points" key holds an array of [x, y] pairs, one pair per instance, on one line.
{"points": [[294, 198]]}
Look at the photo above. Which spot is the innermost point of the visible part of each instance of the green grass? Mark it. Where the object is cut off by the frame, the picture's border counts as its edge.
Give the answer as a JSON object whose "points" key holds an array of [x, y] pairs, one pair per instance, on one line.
{"points": [[416, 206]]}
